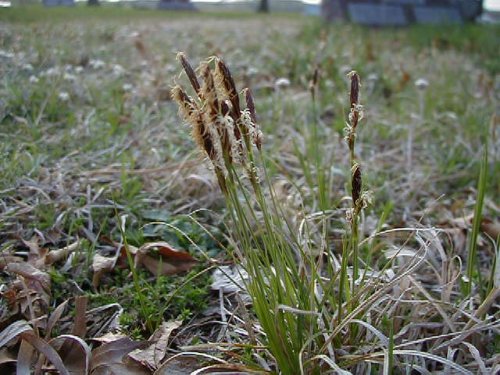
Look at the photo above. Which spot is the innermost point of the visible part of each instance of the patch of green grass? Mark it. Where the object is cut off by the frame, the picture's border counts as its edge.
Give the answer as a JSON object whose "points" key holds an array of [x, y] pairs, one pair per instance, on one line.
{"points": [[160, 299], [480, 40]]}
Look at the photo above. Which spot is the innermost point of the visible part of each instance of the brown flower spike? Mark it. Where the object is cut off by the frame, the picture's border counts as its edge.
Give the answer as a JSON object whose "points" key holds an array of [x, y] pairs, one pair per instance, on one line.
{"points": [[217, 121]]}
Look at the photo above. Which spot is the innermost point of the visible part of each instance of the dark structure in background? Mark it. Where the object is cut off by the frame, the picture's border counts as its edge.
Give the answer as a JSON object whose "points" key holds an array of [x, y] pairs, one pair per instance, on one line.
{"points": [[401, 12], [176, 5], [56, 3], [263, 6]]}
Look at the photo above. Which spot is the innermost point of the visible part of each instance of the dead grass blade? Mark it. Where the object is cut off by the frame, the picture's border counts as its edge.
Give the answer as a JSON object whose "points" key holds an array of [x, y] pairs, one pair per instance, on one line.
{"points": [[24, 358], [80, 325], [77, 358], [54, 318], [44, 348], [13, 330], [459, 369]]}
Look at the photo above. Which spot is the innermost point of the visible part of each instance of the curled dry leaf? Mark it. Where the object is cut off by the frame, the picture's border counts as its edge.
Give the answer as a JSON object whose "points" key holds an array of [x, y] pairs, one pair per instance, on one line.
{"points": [[111, 358], [12, 331], [54, 256], [44, 348], [170, 262], [100, 266], [152, 356], [490, 227], [54, 318], [36, 279], [77, 358], [109, 337]]}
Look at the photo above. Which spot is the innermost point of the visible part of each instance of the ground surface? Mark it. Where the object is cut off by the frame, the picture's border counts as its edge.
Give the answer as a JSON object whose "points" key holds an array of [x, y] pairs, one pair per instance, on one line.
{"points": [[94, 156]]}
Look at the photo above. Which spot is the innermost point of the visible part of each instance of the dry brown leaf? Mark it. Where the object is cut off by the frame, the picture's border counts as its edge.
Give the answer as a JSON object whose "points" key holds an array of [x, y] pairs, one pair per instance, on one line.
{"points": [[121, 369], [6, 259], [152, 356], [167, 251], [44, 348], [36, 279], [162, 267], [490, 227], [54, 256], [24, 358], [74, 352], [170, 262], [109, 337], [103, 319], [110, 357], [71, 348], [179, 366], [100, 266]]}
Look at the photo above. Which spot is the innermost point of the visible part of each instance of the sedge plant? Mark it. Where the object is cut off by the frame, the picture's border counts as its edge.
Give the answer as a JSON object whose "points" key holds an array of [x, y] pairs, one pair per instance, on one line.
{"points": [[315, 314], [284, 303], [285, 280]]}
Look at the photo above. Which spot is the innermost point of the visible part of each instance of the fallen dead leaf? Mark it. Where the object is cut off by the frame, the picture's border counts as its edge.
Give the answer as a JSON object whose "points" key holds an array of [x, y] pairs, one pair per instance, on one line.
{"points": [[490, 227], [109, 337], [171, 261], [110, 358], [152, 356], [36, 279], [74, 352], [100, 266], [12, 331], [54, 256], [44, 348], [6, 259], [179, 366]]}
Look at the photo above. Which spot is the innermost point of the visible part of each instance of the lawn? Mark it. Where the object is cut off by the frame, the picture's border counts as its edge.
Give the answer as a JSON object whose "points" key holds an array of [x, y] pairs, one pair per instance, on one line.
{"points": [[309, 225]]}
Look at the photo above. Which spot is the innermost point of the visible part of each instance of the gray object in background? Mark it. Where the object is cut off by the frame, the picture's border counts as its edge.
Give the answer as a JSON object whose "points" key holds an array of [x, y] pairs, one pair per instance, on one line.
{"points": [[58, 3], [401, 12], [437, 15], [176, 5], [377, 14]]}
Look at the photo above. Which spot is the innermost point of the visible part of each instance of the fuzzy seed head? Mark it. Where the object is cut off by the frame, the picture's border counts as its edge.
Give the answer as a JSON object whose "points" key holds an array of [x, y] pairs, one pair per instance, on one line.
{"points": [[354, 94], [181, 56], [356, 184], [209, 93], [186, 105], [225, 82], [250, 105]]}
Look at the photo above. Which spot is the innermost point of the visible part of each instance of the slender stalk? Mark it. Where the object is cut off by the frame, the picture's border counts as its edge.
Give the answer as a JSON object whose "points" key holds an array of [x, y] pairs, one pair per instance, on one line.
{"points": [[355, 115], [481, 188]]}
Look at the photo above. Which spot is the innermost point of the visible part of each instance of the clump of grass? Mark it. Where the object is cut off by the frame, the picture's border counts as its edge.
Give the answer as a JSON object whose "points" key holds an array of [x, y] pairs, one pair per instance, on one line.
{"points": [[231, 140], [311, 321]]}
